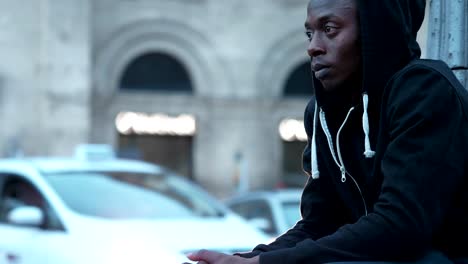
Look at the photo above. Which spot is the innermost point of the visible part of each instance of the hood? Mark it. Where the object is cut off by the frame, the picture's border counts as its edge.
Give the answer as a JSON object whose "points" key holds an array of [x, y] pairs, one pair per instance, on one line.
{"points": [[388, 42], [388, 30], [388, 35]]}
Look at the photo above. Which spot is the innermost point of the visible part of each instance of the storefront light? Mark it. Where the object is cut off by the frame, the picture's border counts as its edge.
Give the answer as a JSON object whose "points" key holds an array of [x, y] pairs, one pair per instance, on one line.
{"points": [[292, 130], [129, 123]]}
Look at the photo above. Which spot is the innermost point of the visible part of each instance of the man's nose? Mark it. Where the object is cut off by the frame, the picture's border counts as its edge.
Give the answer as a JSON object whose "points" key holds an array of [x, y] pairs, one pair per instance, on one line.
{"points": [[315, 47]]}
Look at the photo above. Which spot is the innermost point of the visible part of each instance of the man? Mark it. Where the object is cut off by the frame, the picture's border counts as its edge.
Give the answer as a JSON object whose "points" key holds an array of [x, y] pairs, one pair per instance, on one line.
{"points": [[388, 145]]}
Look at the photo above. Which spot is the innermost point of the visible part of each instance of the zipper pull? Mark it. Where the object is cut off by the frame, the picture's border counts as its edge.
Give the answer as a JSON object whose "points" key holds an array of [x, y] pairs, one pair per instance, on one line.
{"points": [[343, 174]]}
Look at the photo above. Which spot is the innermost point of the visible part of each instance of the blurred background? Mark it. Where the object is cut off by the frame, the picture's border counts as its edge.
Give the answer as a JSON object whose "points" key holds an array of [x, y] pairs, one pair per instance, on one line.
{"points": [[214, 90], [203, 98]]}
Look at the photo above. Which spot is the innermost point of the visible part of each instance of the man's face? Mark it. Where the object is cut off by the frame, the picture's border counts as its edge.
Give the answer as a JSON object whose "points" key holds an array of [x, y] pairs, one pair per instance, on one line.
{"points": [[333, 30]]}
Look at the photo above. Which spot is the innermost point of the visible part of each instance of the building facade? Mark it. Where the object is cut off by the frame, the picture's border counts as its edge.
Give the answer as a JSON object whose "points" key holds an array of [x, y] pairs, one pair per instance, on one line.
{"points": [[238, 69]]}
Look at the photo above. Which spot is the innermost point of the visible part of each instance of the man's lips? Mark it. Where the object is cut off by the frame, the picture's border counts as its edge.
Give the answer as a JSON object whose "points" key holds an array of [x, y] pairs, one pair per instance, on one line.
{"points": [[320, 70], [318, 66]]}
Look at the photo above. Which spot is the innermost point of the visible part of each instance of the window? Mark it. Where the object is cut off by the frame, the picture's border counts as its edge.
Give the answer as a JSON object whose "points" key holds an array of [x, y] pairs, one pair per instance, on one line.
{"points": [[156, 72], [132, 195], [256, 209], [17, 192]]}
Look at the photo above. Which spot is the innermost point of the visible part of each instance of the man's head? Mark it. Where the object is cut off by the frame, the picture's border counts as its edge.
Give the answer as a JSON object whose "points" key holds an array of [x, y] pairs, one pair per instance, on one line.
{"points": [[332, 27]]}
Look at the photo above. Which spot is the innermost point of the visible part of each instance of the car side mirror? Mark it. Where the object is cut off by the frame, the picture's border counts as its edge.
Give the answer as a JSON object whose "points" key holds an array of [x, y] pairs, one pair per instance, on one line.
{"points": [[260, 223], [26, 216]]}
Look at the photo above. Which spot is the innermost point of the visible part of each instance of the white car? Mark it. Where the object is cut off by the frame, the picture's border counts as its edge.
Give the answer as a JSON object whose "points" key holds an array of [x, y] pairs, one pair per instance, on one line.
{"points": [[108, 210], [274, 212]]}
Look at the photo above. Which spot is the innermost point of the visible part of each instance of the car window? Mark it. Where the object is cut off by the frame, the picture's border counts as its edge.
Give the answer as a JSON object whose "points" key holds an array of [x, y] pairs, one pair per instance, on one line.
{"points": [[256, 209], [127, 195], [17, 191], [291, 212]]}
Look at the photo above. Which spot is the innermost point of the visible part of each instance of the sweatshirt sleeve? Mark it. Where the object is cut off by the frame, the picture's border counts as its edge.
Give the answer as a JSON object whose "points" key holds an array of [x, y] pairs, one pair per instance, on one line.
{"points": [[317, 206], [422, 166]]}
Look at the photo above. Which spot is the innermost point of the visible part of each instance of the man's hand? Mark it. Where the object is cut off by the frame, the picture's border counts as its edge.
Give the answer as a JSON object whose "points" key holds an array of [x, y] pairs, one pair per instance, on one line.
{"points": [[211, 257]]}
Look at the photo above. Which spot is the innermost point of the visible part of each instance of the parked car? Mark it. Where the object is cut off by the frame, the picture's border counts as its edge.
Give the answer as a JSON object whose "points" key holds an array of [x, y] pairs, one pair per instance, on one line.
{"points": [[95, 208], [273, 212]]}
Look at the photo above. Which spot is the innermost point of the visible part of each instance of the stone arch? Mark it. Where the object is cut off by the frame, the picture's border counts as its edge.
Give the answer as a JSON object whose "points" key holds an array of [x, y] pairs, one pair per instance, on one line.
{"points": [[157, 72], [181, 41], [186, 44], [281, 59]]}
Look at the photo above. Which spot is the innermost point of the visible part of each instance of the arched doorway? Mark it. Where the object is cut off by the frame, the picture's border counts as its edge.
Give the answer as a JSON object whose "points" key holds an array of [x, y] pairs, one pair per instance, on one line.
{"points": [[299, 82], [157, 72], [156, 137], [294, 139]]}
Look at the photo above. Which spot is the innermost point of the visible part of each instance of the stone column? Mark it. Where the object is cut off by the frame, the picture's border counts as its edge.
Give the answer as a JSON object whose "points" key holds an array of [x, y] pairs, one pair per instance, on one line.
{"points": [[448, 34], [19, 52], [65, 75], [237, 147]]}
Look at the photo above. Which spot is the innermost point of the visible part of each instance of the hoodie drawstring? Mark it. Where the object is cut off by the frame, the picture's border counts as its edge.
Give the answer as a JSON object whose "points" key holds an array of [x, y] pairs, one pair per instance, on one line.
{"points": [[314, 164], [369, 153]]}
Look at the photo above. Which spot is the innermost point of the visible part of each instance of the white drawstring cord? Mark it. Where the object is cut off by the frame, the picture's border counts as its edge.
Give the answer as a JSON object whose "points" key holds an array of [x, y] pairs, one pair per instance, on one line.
{"points": [[342, 167], [325, 129], [314, 164], [339, 161], [369, 153], [323, 122]]}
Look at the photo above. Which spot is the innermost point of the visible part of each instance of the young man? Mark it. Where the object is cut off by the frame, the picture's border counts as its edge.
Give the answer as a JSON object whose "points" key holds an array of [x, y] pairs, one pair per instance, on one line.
{"points": [[388, 145]]}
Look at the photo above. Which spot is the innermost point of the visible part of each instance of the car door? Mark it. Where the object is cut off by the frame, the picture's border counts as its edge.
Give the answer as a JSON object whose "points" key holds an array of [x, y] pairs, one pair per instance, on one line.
{"points": [[23, 243]]}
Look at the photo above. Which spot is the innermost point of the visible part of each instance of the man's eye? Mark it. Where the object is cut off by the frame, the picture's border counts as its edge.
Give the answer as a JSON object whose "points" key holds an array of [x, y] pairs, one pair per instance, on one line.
{"points": [[328, 29], [309, 35]]}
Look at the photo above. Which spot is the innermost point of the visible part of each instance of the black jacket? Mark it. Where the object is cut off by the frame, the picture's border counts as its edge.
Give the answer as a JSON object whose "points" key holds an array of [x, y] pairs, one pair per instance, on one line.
{"points": [[412, 195]]}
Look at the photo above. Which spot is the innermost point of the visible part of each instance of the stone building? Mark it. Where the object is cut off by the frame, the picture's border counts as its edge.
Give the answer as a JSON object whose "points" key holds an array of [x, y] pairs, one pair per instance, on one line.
{"points": [[72, 70]]}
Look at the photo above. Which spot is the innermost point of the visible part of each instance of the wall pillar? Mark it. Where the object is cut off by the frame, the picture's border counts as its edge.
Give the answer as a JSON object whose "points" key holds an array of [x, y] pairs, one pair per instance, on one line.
{"points": [[448, 35], [65, 75], [237, 147]]}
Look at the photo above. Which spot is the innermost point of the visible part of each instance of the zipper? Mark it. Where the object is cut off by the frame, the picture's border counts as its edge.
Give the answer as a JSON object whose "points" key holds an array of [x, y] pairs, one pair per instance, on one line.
{"points": [[339, 162], [342, 167], [325, 129]]}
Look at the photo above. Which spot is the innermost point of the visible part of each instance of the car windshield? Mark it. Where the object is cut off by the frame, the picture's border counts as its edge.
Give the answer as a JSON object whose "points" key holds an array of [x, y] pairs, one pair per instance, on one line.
{"points": [[129, 195], [291, 212]]}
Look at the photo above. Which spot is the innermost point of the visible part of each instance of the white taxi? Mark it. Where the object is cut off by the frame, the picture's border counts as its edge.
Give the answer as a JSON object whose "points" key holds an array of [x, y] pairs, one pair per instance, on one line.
{"points": [[101, 209]]}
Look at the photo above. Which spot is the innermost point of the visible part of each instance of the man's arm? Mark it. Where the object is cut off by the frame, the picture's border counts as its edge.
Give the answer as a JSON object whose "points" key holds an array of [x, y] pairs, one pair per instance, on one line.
{"points": [[422, 168]]}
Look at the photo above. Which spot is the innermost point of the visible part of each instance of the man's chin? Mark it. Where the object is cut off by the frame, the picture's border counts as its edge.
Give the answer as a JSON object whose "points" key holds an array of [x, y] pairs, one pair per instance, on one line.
{"points": [[328, 86]]}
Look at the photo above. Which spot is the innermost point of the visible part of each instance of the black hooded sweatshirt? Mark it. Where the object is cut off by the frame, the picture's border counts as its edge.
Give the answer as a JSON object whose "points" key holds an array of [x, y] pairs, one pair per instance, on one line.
{"points": [[411, 196]]}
